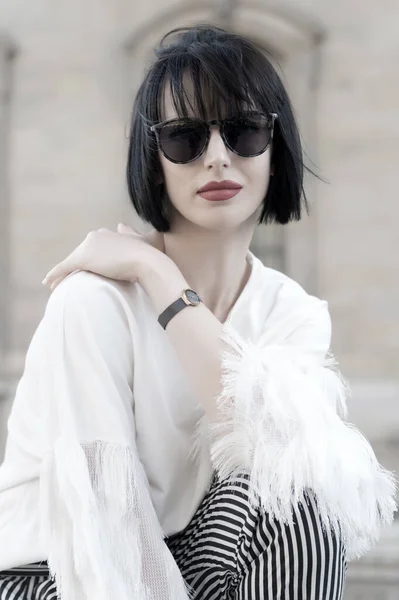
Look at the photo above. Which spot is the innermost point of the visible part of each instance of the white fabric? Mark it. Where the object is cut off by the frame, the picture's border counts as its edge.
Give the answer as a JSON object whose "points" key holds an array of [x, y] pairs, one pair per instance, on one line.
{"points": [[108, 450]]}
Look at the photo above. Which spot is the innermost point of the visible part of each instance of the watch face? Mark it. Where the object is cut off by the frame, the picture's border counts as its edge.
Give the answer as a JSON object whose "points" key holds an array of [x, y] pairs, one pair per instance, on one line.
{"points": [[192, 297]]}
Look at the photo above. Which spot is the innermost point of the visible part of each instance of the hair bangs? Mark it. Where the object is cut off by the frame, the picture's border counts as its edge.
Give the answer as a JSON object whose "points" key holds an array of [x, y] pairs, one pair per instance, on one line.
{"points": [[202, 86]]}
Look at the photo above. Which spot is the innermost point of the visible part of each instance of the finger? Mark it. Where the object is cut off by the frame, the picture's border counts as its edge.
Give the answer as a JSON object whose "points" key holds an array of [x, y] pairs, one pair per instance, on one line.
{"points": [[61, 270], [56, 282], [122, 228], [51, 276]]}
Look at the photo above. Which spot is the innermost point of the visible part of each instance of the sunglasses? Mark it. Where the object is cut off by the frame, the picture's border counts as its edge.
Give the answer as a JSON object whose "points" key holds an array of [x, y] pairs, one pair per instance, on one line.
{"points": [[184, 140]]}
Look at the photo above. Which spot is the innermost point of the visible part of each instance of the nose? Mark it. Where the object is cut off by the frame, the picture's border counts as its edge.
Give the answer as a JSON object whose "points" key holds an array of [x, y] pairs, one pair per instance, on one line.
{"points": [[216, 154]]}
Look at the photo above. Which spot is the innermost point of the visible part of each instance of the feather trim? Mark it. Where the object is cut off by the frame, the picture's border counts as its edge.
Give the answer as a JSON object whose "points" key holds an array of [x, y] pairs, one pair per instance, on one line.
{"points": [[278, 421], [100, 528]]}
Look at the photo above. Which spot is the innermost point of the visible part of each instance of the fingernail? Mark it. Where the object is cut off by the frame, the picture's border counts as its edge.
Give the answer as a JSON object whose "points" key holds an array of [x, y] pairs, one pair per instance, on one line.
{"points": [[44, 281]]}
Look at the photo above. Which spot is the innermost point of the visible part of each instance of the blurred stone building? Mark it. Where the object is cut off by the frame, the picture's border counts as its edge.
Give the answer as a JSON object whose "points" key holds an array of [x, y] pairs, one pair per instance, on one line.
{"points": [[68, 73]]}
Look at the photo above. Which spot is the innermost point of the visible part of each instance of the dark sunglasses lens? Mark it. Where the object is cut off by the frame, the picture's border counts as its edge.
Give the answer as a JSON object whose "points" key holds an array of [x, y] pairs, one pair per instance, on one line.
{"points": [[248, 136], [183, 141]]}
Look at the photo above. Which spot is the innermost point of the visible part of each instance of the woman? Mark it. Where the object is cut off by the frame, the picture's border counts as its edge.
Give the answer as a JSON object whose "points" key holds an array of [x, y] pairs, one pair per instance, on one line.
{"points": [[172, 445]]}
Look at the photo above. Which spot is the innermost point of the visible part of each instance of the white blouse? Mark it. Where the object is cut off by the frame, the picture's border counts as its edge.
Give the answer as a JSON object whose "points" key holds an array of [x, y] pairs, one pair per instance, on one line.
{"points": [[109, 451]]}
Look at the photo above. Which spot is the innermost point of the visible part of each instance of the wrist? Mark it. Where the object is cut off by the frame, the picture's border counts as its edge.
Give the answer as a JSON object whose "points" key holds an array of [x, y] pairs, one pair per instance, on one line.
{"points": [[163, 285], [147, 266]]}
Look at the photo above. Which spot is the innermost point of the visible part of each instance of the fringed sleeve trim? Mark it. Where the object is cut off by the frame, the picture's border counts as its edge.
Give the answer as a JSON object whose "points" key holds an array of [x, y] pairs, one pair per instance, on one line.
{"points": [[103, 537], [279, 421]]}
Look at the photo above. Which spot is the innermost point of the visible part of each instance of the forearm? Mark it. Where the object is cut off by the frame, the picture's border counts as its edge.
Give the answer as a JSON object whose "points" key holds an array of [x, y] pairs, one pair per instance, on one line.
{"points": [[194, 333]]}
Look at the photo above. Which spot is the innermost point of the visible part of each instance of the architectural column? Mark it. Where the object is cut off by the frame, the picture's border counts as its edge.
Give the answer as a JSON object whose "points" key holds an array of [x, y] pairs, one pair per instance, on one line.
{"points": [[7, 53]]}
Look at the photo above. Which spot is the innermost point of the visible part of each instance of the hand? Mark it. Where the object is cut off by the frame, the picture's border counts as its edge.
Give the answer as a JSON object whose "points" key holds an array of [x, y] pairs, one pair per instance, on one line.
{"points": [[122, 255]]}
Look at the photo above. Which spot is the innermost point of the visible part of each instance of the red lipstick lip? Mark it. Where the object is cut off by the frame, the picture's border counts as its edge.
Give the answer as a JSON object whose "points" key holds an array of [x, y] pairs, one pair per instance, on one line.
{"points": [[220, 185]]}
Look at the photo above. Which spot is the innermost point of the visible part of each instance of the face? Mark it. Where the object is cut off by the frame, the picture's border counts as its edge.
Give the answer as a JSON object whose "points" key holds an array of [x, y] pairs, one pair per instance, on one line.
{"points": [[217, 163]]}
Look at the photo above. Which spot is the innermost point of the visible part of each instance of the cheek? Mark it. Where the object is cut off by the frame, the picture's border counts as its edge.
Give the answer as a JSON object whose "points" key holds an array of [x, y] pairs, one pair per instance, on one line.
{"points": [[178, 180], [176, 174], [258, 172]]}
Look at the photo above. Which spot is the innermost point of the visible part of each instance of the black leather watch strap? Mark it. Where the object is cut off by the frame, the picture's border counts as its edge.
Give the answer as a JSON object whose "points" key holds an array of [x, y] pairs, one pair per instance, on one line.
{"points": [[192, 300], [171, 311]]}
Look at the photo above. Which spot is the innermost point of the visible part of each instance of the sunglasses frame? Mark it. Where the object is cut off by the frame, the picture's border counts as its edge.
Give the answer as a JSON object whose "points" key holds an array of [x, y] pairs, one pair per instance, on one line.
{"points": [[271, 117]]}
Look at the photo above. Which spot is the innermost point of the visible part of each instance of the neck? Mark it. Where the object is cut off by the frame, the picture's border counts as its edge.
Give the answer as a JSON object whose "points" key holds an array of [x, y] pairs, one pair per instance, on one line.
{"points": [[214, 264]]}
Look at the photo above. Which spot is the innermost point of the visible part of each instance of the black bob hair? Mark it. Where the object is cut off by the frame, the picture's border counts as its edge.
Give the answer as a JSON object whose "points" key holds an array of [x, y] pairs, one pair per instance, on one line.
{"points": [[227, 70]]}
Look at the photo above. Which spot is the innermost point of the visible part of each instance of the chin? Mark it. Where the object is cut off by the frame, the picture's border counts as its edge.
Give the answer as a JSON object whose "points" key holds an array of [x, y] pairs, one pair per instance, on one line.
{"points": [[223, 222], [217, 218]]}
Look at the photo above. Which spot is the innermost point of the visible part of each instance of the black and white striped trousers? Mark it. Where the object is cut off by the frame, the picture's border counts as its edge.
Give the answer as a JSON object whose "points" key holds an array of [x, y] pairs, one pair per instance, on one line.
{"points": [[230, 551]]}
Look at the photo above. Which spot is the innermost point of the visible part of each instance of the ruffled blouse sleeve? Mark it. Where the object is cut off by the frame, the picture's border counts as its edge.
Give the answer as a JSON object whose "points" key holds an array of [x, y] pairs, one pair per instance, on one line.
{"points": [[99, 526], [281, 419]]}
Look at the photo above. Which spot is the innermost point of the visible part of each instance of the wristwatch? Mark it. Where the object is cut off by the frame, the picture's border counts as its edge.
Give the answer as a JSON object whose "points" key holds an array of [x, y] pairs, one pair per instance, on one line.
{"points": [[188, 298]]}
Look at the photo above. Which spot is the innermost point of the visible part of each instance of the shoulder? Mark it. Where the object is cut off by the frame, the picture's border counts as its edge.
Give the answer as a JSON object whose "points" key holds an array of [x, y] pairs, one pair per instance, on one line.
{"points": [[284, 292], [85, 297], [293, 313], [284, 287], [89, 290]]}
